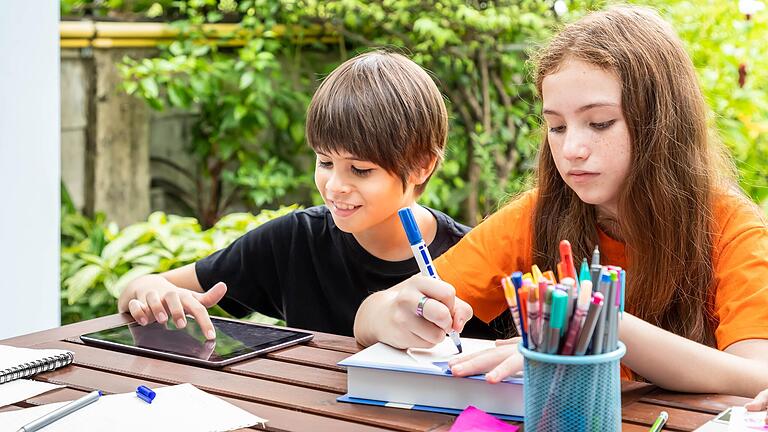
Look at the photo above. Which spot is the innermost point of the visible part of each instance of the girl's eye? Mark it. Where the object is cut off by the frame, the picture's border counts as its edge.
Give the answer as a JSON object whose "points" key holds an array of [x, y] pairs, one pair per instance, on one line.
{"points": [[322, 164], [603, 125], [361, 172], [557, 129]]}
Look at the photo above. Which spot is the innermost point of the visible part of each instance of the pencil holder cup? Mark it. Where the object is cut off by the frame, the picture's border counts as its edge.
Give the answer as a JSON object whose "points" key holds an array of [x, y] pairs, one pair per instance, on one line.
{"points": [[572, 393]]}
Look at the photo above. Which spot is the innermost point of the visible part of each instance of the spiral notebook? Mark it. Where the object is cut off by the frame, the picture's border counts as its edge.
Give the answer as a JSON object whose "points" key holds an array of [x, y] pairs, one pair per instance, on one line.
{"points": [[18, 363]]}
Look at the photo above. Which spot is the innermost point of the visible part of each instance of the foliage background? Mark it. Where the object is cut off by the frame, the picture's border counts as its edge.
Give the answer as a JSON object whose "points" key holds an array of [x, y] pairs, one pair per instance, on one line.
{"points": [[250, 102]]}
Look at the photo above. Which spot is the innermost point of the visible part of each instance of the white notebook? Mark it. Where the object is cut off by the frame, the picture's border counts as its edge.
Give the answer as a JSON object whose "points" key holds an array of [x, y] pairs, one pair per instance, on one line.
{"points": [[18, 363]]}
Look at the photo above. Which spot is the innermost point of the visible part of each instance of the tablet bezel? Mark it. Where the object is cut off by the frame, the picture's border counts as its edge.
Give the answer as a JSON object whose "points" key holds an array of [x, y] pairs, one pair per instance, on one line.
{"points": [[301, 336]]}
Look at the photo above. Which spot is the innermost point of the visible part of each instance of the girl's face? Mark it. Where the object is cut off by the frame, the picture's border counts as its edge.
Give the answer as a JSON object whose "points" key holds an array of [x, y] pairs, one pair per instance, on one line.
{"points": [[587, 132], [359, 193]]}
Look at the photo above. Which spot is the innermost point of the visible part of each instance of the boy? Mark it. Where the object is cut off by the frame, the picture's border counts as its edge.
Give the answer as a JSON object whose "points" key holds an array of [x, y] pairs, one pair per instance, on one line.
{"points": [[378, 125]]}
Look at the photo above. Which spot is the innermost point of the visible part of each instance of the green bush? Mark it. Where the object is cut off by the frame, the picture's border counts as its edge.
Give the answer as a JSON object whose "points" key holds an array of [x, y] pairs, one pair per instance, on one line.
{"points": [[98, 260]]}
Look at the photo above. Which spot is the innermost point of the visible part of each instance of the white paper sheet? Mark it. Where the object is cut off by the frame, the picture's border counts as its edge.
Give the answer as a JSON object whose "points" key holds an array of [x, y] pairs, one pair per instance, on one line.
{"points": [[446, 350], [19, 390], [180, 407]]}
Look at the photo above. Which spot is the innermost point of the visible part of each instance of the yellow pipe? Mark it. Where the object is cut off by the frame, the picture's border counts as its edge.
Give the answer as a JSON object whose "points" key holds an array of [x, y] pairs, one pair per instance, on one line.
{"points": [[79, 34]]}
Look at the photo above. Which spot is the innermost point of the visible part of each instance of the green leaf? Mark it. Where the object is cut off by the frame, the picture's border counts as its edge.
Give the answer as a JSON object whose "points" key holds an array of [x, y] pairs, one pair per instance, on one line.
{"points": [[149, 86], [247, 79], [240, 112], [280, 118], [81, 281], [125, 239], [297, 132], [130, 87]]}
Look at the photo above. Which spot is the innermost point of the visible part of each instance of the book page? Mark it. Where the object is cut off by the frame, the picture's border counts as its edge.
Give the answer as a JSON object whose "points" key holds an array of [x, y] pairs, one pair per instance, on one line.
{"points": [[181, 407], [22, 389], [440, 354]]}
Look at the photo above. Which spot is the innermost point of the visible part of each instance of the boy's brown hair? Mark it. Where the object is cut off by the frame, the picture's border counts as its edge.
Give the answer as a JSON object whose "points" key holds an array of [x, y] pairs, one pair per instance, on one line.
{"points": [[381, 107]]}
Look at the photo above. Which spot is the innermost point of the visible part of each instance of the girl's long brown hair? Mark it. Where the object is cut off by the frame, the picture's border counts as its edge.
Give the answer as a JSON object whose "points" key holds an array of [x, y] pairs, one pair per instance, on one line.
{"points": [[665, 212]]}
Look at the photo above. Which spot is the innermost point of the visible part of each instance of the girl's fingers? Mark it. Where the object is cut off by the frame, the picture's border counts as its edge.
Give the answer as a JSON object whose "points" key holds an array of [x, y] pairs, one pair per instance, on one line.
{"points": [[510, 366], [489, 360], [759, 403], [510, 341], [139, 311]]}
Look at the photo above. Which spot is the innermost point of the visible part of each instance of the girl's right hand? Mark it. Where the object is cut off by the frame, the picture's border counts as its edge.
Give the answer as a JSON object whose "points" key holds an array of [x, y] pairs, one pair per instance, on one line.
{"points": [[153, 298], [391, 316]]}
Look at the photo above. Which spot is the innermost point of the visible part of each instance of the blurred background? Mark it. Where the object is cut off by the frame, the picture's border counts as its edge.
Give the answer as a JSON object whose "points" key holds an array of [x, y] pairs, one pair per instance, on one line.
{"points": [[182, 122]]}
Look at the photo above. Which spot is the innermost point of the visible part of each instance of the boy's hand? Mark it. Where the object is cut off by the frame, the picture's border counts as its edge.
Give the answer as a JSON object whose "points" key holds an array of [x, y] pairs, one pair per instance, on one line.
{"points": [[160, 300], [441, 312]]}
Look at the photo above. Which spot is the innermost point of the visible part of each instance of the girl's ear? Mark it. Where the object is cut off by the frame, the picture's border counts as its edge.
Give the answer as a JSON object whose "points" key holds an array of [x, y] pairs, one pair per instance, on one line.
{"points": [[421, 174]]}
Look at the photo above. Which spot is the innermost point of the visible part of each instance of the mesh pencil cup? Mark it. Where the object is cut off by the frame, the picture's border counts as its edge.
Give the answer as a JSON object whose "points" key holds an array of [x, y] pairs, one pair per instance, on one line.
{"points": [[572, 393]]}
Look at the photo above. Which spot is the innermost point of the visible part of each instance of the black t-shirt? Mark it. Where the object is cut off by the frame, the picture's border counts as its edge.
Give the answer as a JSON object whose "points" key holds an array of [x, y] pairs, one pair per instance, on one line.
{"points": [[302, 268]]}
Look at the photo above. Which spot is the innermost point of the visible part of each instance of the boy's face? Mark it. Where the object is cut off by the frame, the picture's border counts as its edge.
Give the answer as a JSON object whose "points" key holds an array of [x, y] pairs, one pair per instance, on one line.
{"points": [[587, 133], [360, 194]]}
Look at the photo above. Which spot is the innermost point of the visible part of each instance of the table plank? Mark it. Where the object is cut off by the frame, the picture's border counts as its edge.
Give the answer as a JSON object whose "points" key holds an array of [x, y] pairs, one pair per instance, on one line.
{"points": [[706, 403], [310, 356], [296, 388], [289, 373], [679, 419], [128, 366], [68, 331]]}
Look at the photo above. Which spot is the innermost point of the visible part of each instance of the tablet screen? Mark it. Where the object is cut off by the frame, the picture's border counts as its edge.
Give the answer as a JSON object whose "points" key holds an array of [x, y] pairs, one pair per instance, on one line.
{"points": [[233, 339]]}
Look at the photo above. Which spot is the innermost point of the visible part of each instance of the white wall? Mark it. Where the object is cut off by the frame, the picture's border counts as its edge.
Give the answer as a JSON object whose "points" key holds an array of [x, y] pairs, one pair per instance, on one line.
{"points": [[29, 167]]}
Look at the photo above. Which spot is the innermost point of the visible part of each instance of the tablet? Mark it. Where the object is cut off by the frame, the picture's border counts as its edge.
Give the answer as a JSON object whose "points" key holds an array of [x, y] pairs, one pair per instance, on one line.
{"points": [[235, 340]]}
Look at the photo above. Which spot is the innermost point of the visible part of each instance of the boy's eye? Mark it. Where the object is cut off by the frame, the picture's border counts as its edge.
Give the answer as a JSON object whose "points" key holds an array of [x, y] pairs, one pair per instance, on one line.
{"points": [[361, 172], [557, 129], [603, 125], [324, 164]]}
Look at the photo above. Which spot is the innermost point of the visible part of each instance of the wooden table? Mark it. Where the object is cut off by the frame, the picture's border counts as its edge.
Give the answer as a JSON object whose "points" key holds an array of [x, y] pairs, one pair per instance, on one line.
{"points": [[296, 388]]}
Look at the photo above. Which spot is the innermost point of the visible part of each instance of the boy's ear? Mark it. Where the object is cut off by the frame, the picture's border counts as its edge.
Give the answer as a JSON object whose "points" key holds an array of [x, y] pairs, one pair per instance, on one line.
{"points": [[422, 174]]}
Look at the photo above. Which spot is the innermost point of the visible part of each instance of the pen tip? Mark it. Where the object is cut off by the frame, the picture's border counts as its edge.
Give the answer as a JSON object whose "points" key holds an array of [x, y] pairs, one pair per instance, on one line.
{"points": [[459, 347]]}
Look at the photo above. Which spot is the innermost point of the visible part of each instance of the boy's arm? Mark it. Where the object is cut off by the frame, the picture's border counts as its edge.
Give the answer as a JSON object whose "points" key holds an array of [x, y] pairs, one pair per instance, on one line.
{"points": [[390, 316], [173, 293]]}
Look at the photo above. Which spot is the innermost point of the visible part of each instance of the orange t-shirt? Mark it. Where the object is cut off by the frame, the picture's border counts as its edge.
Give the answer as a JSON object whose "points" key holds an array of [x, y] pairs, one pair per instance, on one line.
{"points": [[503, 243]]}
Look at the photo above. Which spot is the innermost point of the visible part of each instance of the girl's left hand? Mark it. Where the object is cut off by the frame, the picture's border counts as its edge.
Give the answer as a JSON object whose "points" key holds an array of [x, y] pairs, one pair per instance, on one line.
{"points": [[760, 403], [498, 363]]}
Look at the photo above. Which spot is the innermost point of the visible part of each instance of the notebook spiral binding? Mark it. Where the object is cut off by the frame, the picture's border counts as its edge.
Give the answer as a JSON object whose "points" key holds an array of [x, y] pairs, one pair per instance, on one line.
{"points": [[32, 368]]}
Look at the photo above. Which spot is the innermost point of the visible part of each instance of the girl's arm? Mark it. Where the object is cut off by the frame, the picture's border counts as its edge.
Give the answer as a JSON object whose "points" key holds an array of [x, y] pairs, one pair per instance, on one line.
{"points": [[676, 363]]}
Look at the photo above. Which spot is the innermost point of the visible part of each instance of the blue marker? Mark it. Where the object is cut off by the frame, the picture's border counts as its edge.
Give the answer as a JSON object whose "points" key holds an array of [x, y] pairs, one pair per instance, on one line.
{"points": [[421, 253]]}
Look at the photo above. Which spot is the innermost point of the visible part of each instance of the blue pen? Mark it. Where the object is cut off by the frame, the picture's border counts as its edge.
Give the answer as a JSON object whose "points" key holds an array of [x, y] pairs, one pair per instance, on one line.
{"points": [[421, 253]]}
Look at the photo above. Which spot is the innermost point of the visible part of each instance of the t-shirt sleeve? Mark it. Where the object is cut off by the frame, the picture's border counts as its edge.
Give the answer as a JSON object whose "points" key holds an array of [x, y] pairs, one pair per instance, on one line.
{"points": [[250, 267], [495, 248], [741, 275]]}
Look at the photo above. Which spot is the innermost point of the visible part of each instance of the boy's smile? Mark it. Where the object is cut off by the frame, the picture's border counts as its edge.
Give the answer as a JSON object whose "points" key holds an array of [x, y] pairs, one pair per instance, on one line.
{"points": [[360, 194]]}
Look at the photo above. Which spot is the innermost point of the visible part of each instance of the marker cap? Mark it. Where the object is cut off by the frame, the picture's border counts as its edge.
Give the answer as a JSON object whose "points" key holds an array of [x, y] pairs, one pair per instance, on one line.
{"points": [[410, 225], [145, 393]]}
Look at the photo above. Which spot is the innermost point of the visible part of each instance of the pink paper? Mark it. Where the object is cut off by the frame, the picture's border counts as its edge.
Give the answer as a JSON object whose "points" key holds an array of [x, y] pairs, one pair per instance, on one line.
{"points": [[475, 420]]}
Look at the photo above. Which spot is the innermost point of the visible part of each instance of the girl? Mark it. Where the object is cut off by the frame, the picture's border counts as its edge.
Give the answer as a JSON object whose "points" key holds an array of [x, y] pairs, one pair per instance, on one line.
{"points": [[626, 164]]}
